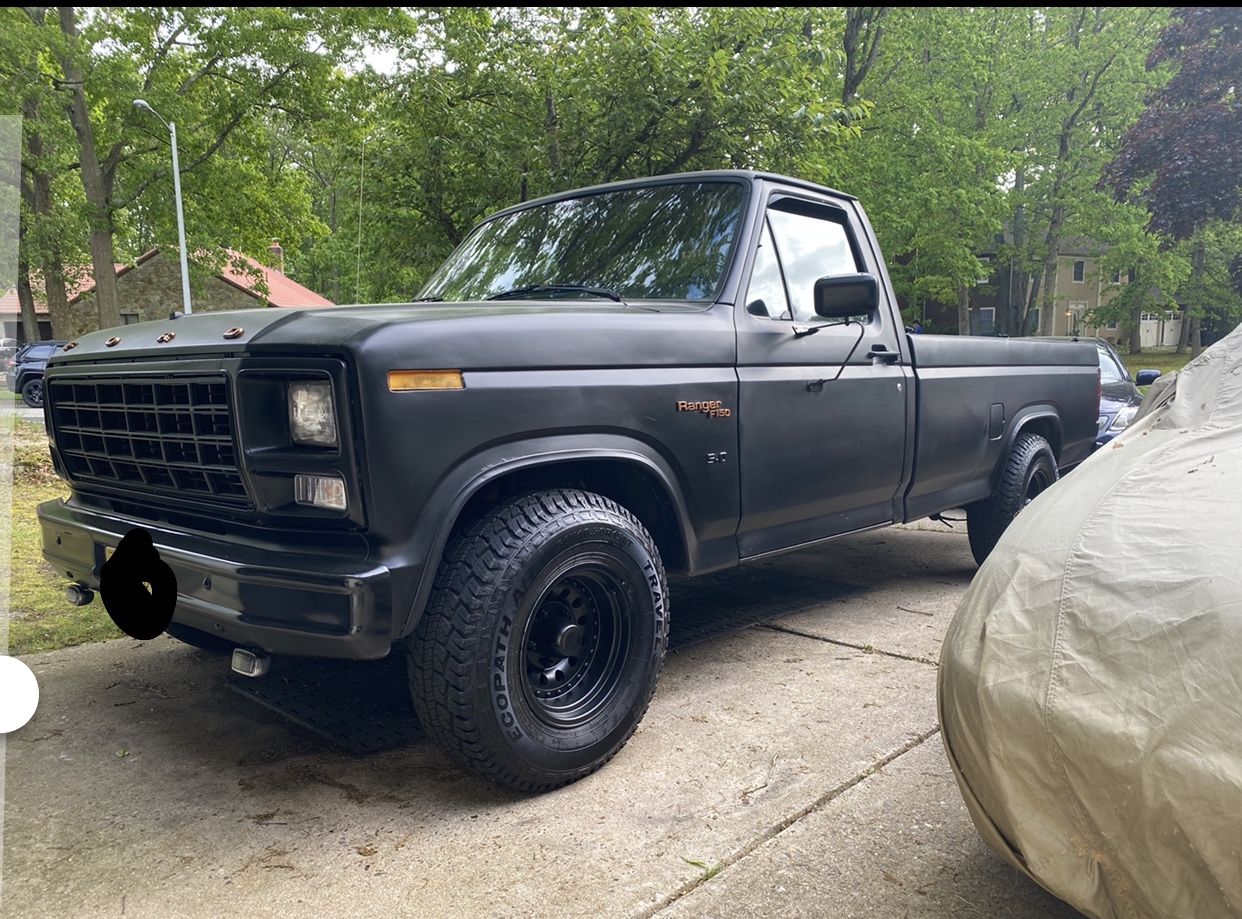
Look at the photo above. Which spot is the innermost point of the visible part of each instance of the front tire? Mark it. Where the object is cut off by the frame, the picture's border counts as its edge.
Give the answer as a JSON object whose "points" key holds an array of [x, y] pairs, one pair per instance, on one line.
{"points": [[543, 640], [1030, 469], [32, 392]]}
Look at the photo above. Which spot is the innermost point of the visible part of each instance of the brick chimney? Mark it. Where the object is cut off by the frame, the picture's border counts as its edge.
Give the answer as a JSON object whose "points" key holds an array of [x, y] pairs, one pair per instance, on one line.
{"points": [[277, 256]]}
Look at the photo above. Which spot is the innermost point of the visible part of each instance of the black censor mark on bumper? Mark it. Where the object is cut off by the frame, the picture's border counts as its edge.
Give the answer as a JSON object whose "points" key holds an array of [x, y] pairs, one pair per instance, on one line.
{"points": [[123, 580]]}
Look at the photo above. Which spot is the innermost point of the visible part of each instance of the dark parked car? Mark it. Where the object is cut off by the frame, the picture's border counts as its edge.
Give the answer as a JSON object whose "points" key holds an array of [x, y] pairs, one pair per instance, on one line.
{"points": [[676, 375], [24, 370], [1119, 395]]}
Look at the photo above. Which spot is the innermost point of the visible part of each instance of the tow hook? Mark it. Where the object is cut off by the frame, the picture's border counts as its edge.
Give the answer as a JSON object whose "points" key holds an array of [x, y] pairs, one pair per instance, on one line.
{"points": [[250, 663], [79, 595]]}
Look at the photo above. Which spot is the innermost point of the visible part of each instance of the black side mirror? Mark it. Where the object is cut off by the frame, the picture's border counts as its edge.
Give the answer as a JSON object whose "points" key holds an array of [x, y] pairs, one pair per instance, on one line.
{"points": [[845, 295], [1146, 377]]}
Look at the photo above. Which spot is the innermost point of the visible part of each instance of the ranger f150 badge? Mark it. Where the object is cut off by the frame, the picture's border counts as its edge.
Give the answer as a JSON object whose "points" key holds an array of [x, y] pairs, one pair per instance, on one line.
{"points": [[714, 409]]}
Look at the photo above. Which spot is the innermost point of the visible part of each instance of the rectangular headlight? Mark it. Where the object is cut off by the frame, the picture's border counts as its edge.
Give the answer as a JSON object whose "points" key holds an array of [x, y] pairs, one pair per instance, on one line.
{"points": [[312, 416], [320, 491]]}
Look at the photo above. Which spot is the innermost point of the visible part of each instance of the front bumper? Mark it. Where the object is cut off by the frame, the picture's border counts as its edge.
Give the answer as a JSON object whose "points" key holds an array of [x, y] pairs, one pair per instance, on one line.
{"points": [[318, 603]]}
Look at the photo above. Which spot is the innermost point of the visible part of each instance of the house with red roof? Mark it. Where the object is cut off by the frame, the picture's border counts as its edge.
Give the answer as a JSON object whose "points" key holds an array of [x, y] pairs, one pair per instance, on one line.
{"points": [[149, 288]]}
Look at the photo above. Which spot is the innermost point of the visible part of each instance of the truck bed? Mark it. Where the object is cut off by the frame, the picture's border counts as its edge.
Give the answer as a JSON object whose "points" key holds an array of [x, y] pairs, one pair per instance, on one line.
{"points": [[966, 385]]}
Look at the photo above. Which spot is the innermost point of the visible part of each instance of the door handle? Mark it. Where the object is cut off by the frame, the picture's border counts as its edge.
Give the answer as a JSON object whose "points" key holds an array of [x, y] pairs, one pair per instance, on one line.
{"points": [[881, 355]]}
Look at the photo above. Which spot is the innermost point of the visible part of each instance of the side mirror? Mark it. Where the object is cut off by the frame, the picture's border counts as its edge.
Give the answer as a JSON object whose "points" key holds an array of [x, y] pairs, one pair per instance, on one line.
{"points": [[845, 295], [1146, 377]]}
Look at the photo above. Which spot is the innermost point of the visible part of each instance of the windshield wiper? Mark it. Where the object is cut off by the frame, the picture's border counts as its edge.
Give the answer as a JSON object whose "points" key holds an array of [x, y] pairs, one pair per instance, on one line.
{"points": [[555, 288], [427, 300]]}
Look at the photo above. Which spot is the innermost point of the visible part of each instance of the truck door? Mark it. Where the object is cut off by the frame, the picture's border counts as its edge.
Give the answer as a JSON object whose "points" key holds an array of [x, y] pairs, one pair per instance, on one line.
{"points": [[822, 441]]}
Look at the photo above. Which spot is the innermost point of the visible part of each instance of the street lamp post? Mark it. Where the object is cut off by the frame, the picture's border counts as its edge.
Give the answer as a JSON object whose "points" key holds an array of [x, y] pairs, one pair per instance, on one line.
{"points": [[185, 270]]}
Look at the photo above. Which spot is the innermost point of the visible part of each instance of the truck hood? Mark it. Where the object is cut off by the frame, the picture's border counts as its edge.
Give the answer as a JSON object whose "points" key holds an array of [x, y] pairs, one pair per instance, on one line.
{"points": [[490, 335]]}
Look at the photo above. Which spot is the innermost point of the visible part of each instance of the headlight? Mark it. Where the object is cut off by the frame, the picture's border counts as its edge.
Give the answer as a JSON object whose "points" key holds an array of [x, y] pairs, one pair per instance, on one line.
{"points": [[312, 416], [1101, 425], [1124, 417]]}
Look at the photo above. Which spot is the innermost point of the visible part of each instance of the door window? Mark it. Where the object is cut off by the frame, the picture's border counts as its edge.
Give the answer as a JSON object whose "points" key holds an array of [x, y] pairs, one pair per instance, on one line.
{"points": [[810, 247], [766, 294]]}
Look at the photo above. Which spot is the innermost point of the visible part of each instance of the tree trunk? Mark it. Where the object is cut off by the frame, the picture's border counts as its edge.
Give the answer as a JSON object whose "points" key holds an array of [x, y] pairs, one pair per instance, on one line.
{"points": [[552, 126], [1196, 339], [1047, 319], [25, 296], [1016, 305], [57, 295], [1190, 323], [963, 310], [861, 42], [1136, 336], [98, 197], [38, 197]]}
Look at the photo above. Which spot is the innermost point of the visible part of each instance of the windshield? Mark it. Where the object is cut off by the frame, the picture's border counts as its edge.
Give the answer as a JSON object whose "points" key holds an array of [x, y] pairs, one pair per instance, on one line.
{"points": [[1109, 371], [657, 242]]}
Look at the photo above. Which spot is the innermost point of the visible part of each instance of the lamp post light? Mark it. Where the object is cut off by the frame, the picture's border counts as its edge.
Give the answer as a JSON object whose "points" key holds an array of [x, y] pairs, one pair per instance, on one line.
{"points": [[185, 270]]}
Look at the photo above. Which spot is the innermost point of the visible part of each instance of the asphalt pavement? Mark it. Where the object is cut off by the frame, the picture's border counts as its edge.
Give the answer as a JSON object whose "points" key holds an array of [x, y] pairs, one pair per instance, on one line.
{"points": [[790, 765]]}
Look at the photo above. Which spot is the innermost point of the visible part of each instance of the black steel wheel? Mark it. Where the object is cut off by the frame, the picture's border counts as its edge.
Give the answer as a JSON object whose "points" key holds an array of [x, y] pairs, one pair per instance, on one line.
{"points": [[543, 640], [1029, 470], [32, 392]]}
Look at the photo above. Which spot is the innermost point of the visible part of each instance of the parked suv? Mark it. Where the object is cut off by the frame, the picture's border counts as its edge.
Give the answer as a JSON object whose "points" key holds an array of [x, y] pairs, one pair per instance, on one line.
{"points": [[24, 370]]}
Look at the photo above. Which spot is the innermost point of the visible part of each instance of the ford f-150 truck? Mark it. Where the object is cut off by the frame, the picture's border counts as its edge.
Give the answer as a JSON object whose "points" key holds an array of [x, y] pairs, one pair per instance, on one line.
{"points": [[596, 389]]}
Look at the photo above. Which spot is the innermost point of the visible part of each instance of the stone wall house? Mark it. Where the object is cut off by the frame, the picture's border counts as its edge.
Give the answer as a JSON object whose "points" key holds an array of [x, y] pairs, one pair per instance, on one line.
{"points": [[150, 289], [11, 318]]}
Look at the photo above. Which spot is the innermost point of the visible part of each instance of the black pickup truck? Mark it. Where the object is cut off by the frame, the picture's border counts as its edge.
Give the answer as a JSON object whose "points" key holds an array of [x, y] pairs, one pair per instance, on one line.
{"points": [[671, 375]]}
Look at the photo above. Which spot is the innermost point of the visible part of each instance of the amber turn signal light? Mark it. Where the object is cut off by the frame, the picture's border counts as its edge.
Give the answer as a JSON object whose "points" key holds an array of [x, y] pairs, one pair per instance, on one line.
{"points": [[410, 380]]}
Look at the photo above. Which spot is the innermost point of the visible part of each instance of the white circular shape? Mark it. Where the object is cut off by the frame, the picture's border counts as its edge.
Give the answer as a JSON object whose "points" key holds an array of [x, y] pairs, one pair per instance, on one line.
{"points": [[19, 694]]}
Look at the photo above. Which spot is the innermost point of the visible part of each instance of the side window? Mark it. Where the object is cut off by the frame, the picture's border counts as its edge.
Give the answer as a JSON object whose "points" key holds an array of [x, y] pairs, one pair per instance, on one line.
{"points": [[811, 248], [766, 294]]}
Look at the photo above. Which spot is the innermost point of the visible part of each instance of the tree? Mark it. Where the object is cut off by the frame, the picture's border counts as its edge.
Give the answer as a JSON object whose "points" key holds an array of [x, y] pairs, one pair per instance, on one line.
{"points": [[230, 78], [1182, 156], [498, 106]]}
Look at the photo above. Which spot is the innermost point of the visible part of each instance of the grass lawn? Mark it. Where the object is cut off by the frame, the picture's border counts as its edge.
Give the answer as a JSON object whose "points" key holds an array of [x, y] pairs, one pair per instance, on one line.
{"points": [[1163, 360], [41, 619]]}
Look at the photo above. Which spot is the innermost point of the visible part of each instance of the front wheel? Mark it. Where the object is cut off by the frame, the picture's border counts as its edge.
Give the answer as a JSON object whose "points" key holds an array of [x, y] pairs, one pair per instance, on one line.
{"points": [[1030, 468], [543, 640], [32, 393]]}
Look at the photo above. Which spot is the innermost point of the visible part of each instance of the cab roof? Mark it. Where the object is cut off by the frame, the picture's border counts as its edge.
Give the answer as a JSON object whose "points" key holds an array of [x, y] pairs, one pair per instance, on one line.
{"points": [[743, 175]]}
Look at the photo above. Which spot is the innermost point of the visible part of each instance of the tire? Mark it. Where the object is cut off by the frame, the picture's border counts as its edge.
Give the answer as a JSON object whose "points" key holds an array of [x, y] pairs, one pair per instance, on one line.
{"points": [[32, 392], [1030, 468], [543, 639]]}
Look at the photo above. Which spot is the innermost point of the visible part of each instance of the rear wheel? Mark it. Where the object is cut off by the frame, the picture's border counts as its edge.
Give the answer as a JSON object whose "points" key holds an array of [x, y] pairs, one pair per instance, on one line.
{"points": [[32, 392], [543, 640], [1030, 469]]}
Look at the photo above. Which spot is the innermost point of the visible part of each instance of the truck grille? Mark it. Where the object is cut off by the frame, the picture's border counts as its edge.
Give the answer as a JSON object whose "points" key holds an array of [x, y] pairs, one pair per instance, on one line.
{"points": [[169, 435]]}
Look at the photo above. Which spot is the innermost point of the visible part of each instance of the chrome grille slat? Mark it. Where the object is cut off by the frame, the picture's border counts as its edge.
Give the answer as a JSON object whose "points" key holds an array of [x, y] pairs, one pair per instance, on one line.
{"points": [[170, 434]]}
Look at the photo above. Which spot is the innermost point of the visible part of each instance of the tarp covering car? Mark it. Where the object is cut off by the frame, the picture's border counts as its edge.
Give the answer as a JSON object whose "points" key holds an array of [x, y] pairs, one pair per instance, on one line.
{"points": [[1090, 685]]}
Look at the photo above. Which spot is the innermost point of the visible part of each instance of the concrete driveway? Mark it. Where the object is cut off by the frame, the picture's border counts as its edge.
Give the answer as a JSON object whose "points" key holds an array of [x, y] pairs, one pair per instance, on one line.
{"points": [[789, 767], [19, 409]]}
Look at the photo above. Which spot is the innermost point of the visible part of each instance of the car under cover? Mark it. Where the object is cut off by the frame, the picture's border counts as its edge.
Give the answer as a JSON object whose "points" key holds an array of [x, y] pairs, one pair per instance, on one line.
{"points": [[1089, 692]]}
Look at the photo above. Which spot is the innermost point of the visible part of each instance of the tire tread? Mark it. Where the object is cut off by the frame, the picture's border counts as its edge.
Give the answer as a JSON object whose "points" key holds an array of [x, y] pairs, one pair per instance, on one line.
{"points": [[443, 647], [986, 520]]}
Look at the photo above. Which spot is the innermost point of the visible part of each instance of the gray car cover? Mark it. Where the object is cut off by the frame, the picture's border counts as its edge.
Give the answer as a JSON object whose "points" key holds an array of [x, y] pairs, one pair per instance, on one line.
{"points": [[1090, 684]]}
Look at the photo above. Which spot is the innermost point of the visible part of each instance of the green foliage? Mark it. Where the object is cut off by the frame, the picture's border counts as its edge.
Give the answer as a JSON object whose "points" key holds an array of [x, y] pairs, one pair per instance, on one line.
{"points": [[1188, 142], [1214, 292], [370, 142]]}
